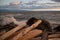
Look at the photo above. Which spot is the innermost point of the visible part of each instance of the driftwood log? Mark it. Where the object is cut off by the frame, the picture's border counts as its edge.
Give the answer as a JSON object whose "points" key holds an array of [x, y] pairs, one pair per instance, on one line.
{"points": [[20, 33], [26, 30], [31, 34], [11, 32]]}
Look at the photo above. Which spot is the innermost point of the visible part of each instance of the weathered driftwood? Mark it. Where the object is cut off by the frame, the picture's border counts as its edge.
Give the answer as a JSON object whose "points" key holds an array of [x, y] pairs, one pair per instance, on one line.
{"points": [[54, 36], [38, 38], [44, 35], [55, 39], [1, 33], [26, 30], [31, 34], [27, 33], [4, 36], [48, 39]]}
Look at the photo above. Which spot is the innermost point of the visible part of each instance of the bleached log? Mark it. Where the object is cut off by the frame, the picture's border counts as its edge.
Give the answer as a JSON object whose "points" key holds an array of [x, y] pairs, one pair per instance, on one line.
{"points": [[31, 34], [26, 30], [11, 32]]}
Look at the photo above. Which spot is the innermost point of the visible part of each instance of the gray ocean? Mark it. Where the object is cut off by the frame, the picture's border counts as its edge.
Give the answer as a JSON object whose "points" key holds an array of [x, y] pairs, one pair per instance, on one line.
{"points": [[52, 16]]}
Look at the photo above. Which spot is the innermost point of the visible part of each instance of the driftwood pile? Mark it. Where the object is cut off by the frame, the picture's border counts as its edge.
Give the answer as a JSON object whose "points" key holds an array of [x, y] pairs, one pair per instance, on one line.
{"points": [[29, 33]]}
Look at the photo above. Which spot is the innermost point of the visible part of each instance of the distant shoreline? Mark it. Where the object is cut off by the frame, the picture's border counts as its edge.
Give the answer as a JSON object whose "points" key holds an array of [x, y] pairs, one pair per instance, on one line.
{"points": [[57, 9], [28, 10]]}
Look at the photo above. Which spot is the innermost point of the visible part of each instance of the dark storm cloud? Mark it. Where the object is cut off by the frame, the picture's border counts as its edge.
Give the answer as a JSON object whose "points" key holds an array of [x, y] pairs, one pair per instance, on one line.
{"points": [[56, 0]]}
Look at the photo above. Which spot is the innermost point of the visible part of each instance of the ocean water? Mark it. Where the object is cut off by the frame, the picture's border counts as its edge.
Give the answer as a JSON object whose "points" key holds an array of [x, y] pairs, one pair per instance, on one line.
{"points": [[52, 16]]}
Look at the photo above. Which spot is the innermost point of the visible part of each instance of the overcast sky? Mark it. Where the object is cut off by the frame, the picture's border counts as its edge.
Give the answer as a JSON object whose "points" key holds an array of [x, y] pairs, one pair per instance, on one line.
{"points": [[5, 2], [56, 0]]}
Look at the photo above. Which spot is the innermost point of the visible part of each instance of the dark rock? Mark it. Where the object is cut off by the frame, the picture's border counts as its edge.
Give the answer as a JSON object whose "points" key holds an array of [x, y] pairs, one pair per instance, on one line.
{"points": [[57, 29]]}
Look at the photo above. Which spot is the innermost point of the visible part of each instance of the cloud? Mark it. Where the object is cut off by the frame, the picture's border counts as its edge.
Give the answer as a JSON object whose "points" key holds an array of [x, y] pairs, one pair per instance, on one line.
{"points": [[33, 4], [40, 2], [56, 0], [14, 3]]}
